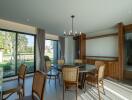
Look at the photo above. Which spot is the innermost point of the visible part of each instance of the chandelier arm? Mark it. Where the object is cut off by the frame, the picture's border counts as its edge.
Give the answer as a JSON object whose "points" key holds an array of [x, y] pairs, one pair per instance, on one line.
{"points": [[72, 25]]}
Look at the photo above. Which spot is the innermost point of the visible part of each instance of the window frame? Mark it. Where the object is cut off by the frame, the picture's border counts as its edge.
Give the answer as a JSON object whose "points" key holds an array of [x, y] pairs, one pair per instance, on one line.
{"points": [[57, 45], [16, 40]]}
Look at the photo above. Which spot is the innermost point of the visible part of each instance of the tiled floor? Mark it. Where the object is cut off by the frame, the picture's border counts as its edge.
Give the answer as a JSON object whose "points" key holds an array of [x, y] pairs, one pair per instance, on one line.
{"points": [[52, 92]]}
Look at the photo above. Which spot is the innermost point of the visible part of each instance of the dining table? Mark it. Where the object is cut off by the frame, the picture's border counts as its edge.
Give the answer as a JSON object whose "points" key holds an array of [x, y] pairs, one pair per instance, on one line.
{"points": [[83, 70]]}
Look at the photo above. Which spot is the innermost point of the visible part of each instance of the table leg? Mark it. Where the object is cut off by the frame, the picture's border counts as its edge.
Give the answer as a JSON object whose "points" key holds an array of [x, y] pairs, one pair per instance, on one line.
{"points": [[1, 96], [82, 80]]}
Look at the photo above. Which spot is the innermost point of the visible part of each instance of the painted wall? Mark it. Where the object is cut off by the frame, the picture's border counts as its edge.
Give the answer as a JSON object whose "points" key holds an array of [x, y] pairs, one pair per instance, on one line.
{"points": [[9, 25], [69, 50], [4, 24], [106, 46]]}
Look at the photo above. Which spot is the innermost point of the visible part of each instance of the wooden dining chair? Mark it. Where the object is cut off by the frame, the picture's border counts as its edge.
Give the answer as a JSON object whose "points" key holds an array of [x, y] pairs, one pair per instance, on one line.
{"points": [[21, 77], [70, 78], [97, 77], [48, 65], [38, 86], [97, 65], [61, 62], [78, 61]]}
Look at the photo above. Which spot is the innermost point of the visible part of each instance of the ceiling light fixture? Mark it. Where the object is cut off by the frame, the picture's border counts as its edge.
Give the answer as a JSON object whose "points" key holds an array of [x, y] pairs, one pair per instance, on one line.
{"points": [[71, 33]]}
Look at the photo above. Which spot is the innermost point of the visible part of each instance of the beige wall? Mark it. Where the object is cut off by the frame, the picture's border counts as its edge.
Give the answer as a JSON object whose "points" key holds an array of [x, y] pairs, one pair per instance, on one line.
{"points": [[17, 27], [9, 25], [51, 36]]}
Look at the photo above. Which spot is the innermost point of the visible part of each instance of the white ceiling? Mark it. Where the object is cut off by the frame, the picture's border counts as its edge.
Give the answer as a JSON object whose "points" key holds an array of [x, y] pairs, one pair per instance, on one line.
{"points": [[54, 15]]}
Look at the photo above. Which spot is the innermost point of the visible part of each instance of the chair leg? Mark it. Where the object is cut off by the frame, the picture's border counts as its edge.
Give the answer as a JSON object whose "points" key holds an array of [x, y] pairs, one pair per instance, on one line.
{"points": [[50, 76], [49, 79], [23, 88], [91, 82], [55, 81], [59, 78], [98, 91], [20, 95], [63, 90], [76, 91], [85, 86], [18, 85], [103, 87]]}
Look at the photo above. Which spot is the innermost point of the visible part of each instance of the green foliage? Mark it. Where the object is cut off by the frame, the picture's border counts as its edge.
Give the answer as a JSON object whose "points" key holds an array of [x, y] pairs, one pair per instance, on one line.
{"points": [[22, 43], [8, 40], [1, 40], [29, 50], [7, 67]]}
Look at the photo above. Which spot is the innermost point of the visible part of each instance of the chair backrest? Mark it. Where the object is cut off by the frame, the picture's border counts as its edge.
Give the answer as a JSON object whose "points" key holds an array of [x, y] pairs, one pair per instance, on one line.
{"points": [[101, 70], [38, 85], [78, 61], [48, 65], [98, 64], [22, 71], [61, 62], [46, 58], [70, 74]]}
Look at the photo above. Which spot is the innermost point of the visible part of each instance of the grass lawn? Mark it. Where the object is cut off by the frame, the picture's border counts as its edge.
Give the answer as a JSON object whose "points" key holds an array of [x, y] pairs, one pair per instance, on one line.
{"points": [[3, 64]]}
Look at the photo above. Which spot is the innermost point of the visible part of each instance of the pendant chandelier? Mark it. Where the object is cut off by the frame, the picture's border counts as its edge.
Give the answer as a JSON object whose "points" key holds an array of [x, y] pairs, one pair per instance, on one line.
{"points": [[72, 33]]}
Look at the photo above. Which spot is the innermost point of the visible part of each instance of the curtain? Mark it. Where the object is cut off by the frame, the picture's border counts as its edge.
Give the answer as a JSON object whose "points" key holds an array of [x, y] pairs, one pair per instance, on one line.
{"points": [[62, 46], [41, 48]]}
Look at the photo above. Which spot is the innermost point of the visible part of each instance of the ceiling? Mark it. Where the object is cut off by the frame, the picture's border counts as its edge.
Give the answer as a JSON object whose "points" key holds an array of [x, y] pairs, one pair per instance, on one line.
{"points": [[54, 15]]}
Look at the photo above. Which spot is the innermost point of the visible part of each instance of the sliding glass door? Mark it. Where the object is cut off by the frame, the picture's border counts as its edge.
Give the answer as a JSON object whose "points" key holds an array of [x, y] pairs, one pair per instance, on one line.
{"points": [[25, 51], [7, 52], [15, 49], [51, 50]]}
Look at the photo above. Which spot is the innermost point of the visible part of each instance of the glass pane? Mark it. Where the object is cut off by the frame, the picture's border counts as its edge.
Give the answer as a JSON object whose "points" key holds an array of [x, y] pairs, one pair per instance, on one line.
{"points": [[51, 50], [7, 52], [25, 51]]}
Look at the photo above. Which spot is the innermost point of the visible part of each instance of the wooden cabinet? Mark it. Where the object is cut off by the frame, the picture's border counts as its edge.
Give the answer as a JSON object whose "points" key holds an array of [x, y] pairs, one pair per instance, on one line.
{"points": [[114, 68], [80, 46], [111, 69]]}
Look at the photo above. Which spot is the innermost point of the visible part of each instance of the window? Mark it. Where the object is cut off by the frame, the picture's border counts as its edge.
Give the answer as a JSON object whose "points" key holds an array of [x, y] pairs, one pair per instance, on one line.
{"points": [[16, 48], [51, 50], [25, 51], [7, 52]]}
